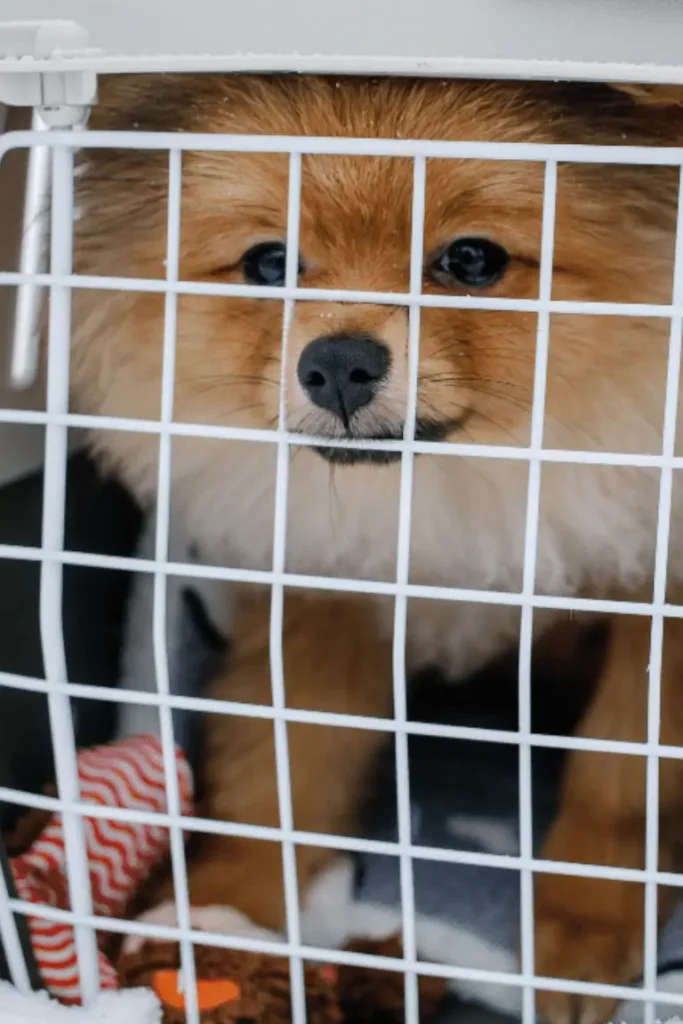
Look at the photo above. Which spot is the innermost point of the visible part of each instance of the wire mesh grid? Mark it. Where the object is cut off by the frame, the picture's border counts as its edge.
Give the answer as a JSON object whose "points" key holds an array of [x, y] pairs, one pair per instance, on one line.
{"points": [[57, 419]]}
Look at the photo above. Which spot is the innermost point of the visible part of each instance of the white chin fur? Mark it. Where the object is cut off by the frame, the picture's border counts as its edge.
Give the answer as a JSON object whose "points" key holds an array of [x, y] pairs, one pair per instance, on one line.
{"points": [[468, 524]]}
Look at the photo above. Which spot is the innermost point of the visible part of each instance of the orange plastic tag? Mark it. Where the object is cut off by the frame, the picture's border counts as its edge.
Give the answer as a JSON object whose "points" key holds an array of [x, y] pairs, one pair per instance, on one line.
{"points": [[330, 974], [210, 992]]}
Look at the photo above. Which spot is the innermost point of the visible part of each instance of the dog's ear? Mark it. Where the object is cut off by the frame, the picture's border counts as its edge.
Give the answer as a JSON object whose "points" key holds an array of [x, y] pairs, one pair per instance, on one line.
{"points": [[652, 95]]}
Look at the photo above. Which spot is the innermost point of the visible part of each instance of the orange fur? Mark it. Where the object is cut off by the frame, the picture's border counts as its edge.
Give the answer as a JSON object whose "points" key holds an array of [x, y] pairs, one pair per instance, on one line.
{"points": [[614, 242], [324, 671]]}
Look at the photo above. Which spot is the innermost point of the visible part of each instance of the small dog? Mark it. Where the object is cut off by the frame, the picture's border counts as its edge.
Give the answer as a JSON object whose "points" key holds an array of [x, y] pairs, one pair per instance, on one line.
{"points": [[346, 377]]}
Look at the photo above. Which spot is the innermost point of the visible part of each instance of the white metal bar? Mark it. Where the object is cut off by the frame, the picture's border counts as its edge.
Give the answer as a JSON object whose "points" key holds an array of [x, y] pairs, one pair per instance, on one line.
{"points": [[51, 631], [346, 843], [344, 721], [206, 705], [282, 760], [319, 955], [339, 584], [411, 1001], [657, 630], [32, 259], [644, 156], [357, 296], [483, 451], [528, 588], [159, 626]]}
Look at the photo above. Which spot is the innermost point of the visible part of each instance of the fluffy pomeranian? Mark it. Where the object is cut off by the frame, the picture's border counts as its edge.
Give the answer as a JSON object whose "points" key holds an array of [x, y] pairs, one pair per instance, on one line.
{"points": [[345, 374]]}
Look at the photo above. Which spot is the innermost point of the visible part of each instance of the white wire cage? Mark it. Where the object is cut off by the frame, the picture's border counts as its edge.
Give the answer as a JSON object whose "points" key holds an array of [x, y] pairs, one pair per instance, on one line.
{"points": [[57, 420]]}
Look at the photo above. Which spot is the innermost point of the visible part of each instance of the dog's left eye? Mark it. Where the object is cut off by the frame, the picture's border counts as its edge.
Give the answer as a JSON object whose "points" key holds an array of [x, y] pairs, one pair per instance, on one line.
{"points": [[266, 264], [474, 262]]}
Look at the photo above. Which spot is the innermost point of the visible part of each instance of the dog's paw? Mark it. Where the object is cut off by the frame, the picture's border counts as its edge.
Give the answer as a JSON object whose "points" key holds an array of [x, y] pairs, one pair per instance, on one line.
{"points": [[579, 949], [228, 921], [216, 919], [164, 914]]}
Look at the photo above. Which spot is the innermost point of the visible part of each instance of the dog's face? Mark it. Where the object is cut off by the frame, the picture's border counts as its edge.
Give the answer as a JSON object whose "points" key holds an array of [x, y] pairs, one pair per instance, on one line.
{"points": [[346, 363], [346, 367]]}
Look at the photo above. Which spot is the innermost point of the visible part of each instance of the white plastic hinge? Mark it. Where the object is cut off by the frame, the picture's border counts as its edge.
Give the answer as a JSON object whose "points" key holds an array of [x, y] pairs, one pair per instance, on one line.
{"points": [[62, 96]]}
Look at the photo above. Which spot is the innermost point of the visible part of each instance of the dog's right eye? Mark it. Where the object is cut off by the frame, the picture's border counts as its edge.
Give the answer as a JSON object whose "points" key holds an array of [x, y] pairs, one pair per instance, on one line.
{"points": [[265, 264]]}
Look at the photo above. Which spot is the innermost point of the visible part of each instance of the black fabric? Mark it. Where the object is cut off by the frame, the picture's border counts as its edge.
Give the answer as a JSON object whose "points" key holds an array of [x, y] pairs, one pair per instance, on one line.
{"points": [[101, 518], [22, 929]]}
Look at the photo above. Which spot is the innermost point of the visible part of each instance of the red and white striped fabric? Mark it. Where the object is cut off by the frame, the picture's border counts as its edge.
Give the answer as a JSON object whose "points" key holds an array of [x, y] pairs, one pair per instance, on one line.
{"points": [[120, 854]]}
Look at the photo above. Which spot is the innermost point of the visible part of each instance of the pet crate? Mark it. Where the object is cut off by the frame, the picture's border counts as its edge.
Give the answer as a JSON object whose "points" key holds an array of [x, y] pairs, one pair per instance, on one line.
{"points": [[50, 57]]}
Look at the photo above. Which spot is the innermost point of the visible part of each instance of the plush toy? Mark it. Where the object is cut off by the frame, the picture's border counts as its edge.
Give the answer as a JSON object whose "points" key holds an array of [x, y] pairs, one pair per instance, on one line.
{"points": [[254, 988], [231, 985], [120, 854]]}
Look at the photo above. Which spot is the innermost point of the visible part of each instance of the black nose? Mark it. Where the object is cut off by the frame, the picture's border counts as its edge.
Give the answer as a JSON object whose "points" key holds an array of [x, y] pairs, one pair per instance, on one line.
{"points": [[341, 372]]}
